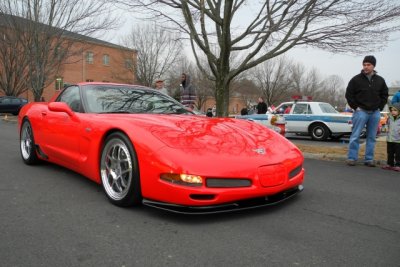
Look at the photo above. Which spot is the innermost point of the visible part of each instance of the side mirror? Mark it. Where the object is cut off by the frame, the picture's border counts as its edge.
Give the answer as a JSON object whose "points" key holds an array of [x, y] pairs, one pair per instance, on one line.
{"points": [[60, 107]]}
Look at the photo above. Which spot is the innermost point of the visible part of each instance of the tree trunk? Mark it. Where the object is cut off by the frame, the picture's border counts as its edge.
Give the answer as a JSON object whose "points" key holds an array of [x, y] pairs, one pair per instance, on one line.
{"points": [[222, 97]]}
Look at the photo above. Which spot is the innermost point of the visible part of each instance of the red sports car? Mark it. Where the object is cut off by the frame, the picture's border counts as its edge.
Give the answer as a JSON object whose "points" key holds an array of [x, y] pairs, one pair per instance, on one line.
{"points": [[144, 147]]}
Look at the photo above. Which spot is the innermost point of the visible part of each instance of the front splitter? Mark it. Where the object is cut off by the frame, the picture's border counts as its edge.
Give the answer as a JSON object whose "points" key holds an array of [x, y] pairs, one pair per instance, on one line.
{"points": [[228, 207]]}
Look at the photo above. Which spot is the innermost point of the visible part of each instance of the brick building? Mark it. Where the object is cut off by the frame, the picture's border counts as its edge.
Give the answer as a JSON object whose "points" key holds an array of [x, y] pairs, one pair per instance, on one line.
{"points": [[99, 61], [89, 59]]}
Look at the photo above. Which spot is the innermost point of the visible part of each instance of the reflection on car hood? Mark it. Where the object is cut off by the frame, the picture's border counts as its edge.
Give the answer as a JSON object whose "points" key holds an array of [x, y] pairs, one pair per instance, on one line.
{"points": [[195, 132], [221, 136]]}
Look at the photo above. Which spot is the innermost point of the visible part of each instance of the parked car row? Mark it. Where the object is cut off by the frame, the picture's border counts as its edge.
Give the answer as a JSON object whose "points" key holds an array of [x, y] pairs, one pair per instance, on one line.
{"points": [[11, 104]]}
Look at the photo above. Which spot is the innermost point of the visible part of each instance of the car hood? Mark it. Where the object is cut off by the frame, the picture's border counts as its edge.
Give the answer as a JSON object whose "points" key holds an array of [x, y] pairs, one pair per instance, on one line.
{"points": [[218, 136], [196, 132], [202, 143]]}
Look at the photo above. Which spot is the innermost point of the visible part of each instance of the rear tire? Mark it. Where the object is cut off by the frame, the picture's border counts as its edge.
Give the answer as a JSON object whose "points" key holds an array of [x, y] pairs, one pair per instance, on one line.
{"points": [[319, 132], [119, 171], [27, 144]]}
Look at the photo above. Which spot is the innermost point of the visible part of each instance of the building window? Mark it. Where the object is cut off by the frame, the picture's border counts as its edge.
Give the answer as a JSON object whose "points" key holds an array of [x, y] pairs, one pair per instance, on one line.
{"points": [[128, 63], [89, 57], [89, 80], [106, 59], [59, 83]]}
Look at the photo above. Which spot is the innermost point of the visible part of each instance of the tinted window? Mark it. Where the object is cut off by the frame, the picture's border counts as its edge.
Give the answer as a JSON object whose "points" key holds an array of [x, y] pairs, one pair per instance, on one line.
{"points": [[129, 99]]}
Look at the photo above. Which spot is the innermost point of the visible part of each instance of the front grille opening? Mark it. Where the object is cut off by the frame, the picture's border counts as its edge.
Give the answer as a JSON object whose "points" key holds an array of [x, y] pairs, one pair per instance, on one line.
{"points": [[227, 182], [295, 171], [202, 196]]}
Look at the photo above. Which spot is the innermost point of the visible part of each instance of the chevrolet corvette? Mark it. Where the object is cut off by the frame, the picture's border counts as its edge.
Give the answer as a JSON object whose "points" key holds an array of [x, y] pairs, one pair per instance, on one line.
{"points": [[144, 147]]}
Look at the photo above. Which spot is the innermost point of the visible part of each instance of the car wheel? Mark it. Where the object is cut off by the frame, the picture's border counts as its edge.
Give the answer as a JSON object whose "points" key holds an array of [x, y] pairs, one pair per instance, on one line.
{"points": [[363, 134], [319, 132], [119, 171], [27, 144]]}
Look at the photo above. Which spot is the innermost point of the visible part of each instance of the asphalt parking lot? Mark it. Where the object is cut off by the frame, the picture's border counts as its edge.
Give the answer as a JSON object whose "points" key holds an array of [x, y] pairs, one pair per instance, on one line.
{"points": [[50, 216]]}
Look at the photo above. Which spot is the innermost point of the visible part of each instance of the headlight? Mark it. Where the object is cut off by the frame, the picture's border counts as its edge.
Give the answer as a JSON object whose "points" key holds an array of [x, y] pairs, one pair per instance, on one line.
{"points": [[182, 179]]}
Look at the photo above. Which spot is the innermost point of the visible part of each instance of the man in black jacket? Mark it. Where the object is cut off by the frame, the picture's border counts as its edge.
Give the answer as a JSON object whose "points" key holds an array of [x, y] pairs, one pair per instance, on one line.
{"points": [[367, 95], [261, 106]]}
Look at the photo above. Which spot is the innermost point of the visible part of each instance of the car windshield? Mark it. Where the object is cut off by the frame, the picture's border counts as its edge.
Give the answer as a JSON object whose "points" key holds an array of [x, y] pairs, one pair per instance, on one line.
{"points": [[327, 108], [129, 99]]}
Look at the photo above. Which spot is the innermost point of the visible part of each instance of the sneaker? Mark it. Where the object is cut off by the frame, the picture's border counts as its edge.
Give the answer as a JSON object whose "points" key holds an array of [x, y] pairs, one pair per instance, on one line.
{"points": [[387, 167], [397, 169], [351, 162], [369, 164]]}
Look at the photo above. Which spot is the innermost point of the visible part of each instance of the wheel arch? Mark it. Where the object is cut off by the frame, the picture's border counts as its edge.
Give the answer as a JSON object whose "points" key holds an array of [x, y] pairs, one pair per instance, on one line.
{"points": [[312, 124], [136, 192], [103, 139]]}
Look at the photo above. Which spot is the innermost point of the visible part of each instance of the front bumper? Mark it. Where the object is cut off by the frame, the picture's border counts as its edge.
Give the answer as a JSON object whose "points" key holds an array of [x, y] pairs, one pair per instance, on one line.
{"points": [[228, 207]]}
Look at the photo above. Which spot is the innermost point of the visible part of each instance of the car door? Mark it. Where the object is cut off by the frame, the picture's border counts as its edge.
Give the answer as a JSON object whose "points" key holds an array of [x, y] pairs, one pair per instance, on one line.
{"points": [[299, 118], [62, 131]]}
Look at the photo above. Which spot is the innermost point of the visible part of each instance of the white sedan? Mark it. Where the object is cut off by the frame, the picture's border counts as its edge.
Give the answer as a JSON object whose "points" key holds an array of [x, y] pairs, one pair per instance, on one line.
{"points": [[320, 120]]}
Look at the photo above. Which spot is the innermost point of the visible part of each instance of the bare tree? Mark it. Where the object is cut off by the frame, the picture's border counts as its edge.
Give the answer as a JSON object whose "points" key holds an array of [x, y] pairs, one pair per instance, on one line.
{"points": [[246, 89], [261, 30], [333, 89], [273, 79], [13, 62], [48, 29], [305, 83], [158, 50]]}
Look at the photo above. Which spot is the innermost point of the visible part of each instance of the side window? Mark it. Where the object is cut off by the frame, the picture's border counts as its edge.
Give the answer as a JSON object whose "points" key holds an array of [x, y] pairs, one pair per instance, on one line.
{"points": [[282, 108], [300, 109], [72, 97], [309, 111]]}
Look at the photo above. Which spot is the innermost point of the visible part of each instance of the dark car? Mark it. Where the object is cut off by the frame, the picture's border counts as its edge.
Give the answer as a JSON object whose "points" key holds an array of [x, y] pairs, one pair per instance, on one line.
{"points": [[11, 104]]}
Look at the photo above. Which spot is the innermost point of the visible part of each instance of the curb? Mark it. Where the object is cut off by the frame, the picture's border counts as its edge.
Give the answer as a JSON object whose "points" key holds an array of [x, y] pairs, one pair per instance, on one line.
{"points": [[337, 157]]}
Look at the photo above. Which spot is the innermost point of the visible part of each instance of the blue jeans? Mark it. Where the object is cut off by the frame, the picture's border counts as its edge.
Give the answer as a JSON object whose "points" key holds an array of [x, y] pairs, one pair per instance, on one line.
{"points": [[361, 119]]}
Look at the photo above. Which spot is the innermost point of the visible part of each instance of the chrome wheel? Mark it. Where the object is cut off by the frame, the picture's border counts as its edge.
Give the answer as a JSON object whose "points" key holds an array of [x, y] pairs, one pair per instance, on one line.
{"points": [[27, 144], [118, 170]]}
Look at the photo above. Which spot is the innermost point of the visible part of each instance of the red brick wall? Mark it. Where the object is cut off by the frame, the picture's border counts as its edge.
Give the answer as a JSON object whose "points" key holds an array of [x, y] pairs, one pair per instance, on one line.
{"points": [[78, 70]]}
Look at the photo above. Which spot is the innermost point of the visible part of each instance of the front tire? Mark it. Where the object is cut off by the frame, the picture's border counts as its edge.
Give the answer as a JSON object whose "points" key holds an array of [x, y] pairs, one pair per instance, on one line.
{"points": [[319, 132], [27, 144], [119, 171]]}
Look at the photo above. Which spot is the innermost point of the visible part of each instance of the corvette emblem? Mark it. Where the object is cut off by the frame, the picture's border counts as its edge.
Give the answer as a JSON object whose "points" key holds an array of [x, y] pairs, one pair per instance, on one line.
{"points": [[260, 150]]}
